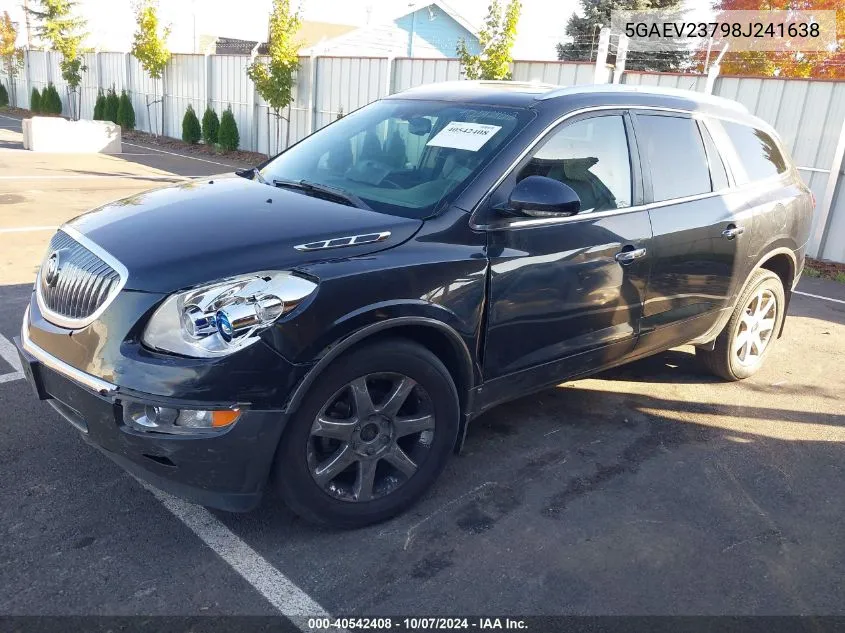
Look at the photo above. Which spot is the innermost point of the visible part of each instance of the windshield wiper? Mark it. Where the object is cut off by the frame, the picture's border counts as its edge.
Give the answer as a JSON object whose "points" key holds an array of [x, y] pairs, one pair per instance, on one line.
{"points": [[315, 188]]}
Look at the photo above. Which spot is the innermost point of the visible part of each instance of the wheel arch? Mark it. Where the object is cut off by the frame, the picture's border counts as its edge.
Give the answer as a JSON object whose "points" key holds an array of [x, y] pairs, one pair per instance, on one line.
{"points": [[439, 338]]}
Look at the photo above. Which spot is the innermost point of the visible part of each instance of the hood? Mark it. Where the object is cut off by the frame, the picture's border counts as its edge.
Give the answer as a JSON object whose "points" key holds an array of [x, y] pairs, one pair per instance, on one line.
{"points": [[203, 230]]}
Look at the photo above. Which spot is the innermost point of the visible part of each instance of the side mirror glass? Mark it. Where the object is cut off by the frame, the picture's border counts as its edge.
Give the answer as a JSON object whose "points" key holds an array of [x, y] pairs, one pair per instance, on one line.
{"points": [[540, 196]]}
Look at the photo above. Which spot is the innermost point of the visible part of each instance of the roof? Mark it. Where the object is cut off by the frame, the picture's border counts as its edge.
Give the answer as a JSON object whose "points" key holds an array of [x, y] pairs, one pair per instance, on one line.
{"points": [[536, 95], [309, 34]]}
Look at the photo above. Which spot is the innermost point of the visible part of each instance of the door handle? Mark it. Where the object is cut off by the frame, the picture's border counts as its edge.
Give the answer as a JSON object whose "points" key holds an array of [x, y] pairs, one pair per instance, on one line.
{"points": [[733, 231], [626, 257]]}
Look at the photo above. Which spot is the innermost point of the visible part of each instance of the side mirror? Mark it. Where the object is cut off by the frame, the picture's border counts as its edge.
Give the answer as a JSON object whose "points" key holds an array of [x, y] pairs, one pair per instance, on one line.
{"points": [[541, 196]]}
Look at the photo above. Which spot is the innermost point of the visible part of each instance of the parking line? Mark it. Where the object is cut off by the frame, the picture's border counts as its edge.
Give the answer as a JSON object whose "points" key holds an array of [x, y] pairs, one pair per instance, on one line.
{"points": [[807, 294], [90, 177], [10, 355], [277, 589], [161, 151], [27, 229]]}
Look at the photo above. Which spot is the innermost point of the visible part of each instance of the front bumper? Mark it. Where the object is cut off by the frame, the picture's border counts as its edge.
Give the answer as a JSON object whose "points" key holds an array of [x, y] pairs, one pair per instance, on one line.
{"points": [[226, 470]]}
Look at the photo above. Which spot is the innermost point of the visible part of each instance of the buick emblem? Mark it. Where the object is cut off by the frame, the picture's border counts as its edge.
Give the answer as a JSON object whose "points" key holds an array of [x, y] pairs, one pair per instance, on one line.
{"points": [[51, 270]]}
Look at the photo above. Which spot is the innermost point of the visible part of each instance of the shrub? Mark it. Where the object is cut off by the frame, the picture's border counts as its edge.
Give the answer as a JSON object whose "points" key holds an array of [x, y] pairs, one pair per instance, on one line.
{"points": [[35, 101], [100, 107], [4, 96], [227, 136], [51, 103], [112, 105], [125, 112], [191, 132], [210, 126]]}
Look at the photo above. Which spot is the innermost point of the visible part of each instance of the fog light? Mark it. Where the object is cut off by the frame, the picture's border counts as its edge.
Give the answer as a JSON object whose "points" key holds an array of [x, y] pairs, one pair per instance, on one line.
{"points": [[148, 417]]}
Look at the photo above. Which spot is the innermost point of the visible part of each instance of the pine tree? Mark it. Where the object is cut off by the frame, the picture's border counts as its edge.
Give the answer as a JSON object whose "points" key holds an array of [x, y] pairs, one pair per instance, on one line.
{"points": [[4, 96], [51, 103], [228, 136], [112, 105], [125, 112], [35, 101], [100, 107], [210, 126], [191, 132]]}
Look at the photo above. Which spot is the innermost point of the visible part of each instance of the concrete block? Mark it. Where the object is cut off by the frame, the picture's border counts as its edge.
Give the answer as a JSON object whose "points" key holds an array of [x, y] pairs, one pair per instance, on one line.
{"points": [[53, 134]]}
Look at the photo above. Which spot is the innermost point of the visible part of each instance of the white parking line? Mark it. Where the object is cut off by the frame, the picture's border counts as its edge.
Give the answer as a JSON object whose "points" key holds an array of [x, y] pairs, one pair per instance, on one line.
{"points": [[807, 294], [10, 355], [94, 176], [161, 151], [278, 589]]}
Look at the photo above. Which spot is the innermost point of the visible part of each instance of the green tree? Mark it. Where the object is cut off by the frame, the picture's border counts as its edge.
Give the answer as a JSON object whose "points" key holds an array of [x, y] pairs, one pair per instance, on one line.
{"points": [[100, 107], [125, 112], [112, 105], [275, 78], [191, 132], [150, 47], [496, 40], [51, 103], [228, 136], [210, 126], [63, 32], [583, 31], [35, 101], [11, 57]]}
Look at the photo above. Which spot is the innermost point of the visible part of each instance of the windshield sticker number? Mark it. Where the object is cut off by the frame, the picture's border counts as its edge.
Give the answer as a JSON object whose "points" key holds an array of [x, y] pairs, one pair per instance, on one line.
{"points": [[463, 135]]}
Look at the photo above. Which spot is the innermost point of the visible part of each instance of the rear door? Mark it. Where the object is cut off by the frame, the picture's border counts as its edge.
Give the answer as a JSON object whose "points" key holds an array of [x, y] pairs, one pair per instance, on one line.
{"points": [[700, 229]]}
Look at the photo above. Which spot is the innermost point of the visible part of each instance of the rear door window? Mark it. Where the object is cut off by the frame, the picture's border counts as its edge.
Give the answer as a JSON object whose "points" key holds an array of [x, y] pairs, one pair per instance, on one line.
{"points": [[758, 154], [675, 152]]}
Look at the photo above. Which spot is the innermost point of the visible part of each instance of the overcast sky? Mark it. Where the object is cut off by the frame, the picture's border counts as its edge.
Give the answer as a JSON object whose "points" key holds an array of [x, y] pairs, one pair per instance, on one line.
{"points": [[111, 24]]}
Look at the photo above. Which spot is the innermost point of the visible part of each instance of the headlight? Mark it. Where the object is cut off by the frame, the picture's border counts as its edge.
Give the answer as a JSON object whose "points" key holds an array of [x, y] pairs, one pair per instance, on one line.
{"points": [[221, 318]]}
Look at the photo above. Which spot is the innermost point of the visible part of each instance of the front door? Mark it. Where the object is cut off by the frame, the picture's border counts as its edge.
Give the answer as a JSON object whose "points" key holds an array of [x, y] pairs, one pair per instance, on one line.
{"points": [[566, 293]]}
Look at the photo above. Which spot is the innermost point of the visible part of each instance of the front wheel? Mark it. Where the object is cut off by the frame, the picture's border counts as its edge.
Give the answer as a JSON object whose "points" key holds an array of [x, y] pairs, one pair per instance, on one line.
{"points": [[370, 437], [747, 338]]}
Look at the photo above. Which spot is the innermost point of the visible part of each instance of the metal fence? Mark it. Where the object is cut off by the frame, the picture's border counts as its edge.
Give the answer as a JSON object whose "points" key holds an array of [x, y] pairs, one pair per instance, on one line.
{"points": [[810, 115]]}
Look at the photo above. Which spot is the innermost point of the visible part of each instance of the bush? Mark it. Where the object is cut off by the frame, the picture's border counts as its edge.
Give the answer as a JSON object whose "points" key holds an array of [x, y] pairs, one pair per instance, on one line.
{"points": [[227, 136], [4, 96], [35, 101], [191, 132], [51, 103], [100, 107], [125, 112], [112, 105], [210, 126]]}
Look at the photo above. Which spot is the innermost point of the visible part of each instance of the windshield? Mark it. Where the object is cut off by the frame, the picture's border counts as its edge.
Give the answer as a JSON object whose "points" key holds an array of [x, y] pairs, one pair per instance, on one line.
{"points": [[400, 157]]}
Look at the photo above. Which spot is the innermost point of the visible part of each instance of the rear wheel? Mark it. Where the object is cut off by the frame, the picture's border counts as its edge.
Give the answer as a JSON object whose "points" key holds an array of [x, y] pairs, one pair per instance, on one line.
{"points": [[370, 437], [747, 338]]}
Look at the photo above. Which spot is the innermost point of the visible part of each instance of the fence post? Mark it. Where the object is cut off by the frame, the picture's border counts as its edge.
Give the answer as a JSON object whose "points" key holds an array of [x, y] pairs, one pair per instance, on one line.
{"points": [[312, 95], [390, 83], [207, 81], [27, 62], [600, 74], [621, 58], [823, 210], [164, 97]]}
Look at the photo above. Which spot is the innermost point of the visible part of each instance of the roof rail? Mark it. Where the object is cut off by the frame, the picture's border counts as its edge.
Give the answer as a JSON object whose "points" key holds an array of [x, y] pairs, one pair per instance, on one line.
{"points": [[700, 97]]}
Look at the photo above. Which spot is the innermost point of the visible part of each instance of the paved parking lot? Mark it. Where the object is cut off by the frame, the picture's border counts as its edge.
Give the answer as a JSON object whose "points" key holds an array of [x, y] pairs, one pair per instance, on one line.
{"points": [[651, 489]]}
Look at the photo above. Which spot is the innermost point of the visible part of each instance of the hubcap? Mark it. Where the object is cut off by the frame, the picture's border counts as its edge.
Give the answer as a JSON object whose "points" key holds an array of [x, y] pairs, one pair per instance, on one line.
{"points": [[756, 327], [370, 437]]}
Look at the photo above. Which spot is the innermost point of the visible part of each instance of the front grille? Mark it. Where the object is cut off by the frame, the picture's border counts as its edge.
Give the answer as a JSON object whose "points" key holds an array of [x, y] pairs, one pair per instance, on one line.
{"points": [[83, 284]]}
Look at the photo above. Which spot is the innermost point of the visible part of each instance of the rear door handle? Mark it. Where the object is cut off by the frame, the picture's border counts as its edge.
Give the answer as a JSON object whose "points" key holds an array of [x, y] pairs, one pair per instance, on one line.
{"points": [[626, 257], [733, 231]]}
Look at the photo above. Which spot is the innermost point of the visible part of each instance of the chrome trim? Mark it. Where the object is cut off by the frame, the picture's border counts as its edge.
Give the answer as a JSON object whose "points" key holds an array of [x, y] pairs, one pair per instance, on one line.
{"points": [[77, 323], [350, 240], [103, 387], [610, 212]]}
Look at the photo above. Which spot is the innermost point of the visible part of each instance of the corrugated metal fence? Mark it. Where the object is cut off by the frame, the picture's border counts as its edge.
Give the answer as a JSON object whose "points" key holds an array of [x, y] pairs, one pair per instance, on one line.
{"points": [[810, 115]]}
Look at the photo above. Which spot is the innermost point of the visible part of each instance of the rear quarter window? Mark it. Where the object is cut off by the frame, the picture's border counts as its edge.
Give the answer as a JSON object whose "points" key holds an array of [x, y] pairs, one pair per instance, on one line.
{"points": [[757, 153]]}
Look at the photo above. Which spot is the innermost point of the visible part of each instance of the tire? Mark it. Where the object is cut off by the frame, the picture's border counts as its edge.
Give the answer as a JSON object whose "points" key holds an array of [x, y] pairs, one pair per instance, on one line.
{"points": [[379, 483], [733, 357]]}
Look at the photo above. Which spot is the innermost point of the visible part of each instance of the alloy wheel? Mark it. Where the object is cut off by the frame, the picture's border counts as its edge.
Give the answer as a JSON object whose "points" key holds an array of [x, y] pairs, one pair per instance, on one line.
{"points": [[371, 437], [756, 327]]}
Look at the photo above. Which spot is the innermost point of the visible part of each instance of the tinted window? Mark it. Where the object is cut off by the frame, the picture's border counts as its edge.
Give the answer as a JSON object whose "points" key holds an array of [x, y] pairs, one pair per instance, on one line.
{"points": [[591, 156], [675, 152], [758, 154], [718, 175]]}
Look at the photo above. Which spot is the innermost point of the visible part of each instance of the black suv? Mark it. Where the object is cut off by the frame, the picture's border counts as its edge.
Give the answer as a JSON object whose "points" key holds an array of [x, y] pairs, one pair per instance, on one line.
{"points": [[330, 321]]}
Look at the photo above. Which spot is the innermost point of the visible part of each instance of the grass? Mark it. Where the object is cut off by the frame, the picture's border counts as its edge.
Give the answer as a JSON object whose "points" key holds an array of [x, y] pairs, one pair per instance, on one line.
{"points": [[825, 270]]}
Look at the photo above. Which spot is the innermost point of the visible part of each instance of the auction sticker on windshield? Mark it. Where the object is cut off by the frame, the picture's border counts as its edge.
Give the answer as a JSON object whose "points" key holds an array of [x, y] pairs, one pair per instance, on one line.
{"points": [[463, 135]]}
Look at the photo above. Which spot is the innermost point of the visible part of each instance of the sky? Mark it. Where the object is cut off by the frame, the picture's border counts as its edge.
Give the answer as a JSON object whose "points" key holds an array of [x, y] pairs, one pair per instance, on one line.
{"points": [[111, 23]]}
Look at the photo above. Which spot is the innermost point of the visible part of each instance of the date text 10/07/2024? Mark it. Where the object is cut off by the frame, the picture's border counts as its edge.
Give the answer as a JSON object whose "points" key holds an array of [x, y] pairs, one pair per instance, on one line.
{"points": [[416, 624]]}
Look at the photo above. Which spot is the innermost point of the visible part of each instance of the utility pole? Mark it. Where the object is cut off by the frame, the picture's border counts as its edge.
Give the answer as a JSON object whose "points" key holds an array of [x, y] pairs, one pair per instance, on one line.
{"points": [[26, 18]]}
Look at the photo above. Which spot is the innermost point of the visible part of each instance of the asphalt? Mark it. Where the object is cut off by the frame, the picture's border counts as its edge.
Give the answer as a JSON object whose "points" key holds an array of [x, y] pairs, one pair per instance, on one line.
{"points": [[653, 489]]}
